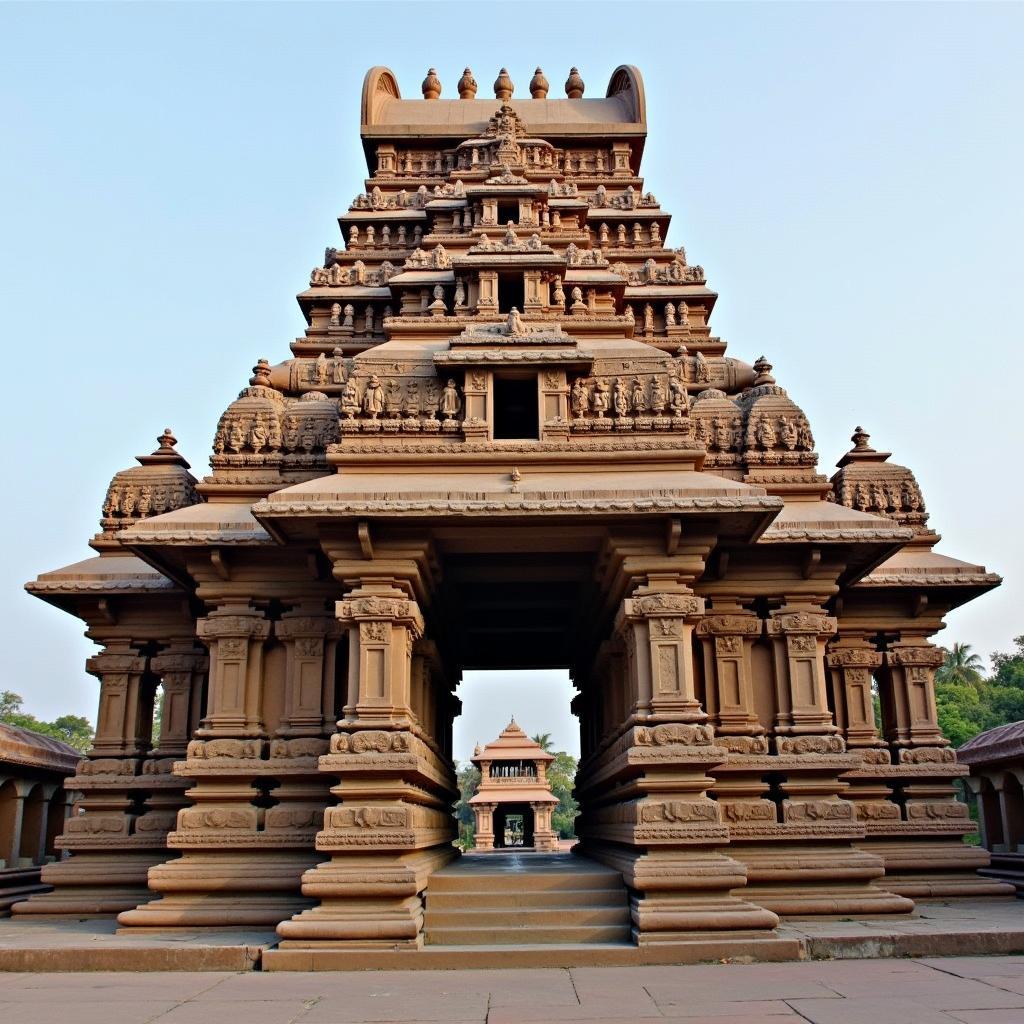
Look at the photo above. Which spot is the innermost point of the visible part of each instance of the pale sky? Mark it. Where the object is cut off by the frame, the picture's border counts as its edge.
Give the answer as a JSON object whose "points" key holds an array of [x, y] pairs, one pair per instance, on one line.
{"points": [[848, 175]]}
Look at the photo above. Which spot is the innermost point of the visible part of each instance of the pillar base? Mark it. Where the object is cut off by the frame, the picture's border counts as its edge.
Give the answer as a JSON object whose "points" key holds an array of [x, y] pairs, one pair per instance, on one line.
{"points": [[942, 867], [93, 885], [366, 902], [810, 878], [223, 890], [679, 893]]}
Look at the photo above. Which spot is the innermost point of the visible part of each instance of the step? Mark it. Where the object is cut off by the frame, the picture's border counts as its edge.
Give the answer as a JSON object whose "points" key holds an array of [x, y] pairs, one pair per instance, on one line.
{"points": [[508, 881], [499, 918], [509, 935], [513, 900]]}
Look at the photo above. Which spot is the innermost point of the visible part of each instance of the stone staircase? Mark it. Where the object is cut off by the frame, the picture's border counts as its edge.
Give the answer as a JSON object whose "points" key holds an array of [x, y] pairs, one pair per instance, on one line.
{"points": [[524, 899]]}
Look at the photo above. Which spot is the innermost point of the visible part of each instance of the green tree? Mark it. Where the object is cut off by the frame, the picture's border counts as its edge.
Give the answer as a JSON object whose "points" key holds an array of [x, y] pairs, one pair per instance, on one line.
{"points": [[543, 740], [468, 776], [1009, 668], [961, 666], [74, 730], [562, 776]]}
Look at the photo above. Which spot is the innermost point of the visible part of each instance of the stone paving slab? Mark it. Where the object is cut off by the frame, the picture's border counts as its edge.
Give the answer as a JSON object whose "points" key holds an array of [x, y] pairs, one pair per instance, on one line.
{"points": [[96, 945], [955, 990]]}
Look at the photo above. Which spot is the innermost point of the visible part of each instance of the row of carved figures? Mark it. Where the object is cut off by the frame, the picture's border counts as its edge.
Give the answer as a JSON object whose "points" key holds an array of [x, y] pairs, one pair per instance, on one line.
{"points": [[266, 432], [389, 398], [626, 398], [129, 499], [882, 496]]}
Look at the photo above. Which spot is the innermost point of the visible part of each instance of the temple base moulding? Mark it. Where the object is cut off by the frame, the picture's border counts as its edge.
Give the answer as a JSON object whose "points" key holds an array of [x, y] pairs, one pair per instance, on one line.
{"points": [[93, 885], [943, 867]]}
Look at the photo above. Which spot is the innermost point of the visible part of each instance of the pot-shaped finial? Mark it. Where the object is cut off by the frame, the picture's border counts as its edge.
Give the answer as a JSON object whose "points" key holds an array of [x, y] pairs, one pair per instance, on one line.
{"points": [[431, 85], [503, 86], [467, 85], [574, 85], [539, 85]]}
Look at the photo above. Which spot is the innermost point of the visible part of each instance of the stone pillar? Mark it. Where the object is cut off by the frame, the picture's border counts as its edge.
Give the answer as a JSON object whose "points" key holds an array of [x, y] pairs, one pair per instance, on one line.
{"points": [[10, 850], [852, 662], [182, 670], [648, 813], [804, 859], [727, 638], [108, 857], [544, 837], [923, 848], [248, 836], [484, 833], [393, 824]]}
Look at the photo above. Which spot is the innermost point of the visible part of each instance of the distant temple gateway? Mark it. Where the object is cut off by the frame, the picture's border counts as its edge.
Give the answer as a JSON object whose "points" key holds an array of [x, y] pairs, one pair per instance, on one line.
{"points": [[508, 439], [513, 785]]}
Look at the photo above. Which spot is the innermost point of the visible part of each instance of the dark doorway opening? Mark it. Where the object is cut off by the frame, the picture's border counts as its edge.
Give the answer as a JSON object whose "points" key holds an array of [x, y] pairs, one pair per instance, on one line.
{"points": [[516, 416], [511, 292], [513, 827], [508, 212]]}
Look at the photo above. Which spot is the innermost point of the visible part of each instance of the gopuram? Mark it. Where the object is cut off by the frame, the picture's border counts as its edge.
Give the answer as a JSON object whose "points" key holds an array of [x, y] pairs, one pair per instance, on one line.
{"points": [[513, 784], [508, 439]]}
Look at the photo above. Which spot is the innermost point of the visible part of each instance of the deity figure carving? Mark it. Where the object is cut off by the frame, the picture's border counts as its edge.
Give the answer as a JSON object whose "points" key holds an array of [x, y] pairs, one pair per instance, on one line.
{"points": [[451, 403], [373, 397], [658, 396], [678, 398], [620, 400], [638, 398], [579, 399], [600, 399]]}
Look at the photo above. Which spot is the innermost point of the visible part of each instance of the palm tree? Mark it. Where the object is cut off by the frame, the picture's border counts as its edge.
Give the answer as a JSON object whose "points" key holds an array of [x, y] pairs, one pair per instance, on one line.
{"points": [[961, 666], [544, 741]]}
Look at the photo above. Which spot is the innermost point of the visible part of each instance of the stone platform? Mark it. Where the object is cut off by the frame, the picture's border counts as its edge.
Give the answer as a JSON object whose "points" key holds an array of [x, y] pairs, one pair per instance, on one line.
{"points": [[962, 927], [954, 990]]}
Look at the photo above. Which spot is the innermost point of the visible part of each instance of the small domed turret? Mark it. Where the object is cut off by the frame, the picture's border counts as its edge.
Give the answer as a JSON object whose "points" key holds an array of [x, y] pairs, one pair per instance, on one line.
{"points": [[574, 85], [251, 425], [160, 483], [868, 482], [539, 85]]}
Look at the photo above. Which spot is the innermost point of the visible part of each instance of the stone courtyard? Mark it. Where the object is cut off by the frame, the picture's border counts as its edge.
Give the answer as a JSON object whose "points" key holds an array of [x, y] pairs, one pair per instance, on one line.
{"points": [[968, 990]]}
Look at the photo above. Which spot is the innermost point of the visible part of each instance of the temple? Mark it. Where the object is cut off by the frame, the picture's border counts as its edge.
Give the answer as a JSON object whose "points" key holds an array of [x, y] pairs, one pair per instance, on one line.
{"points": [[513, 803], [508, 439]]}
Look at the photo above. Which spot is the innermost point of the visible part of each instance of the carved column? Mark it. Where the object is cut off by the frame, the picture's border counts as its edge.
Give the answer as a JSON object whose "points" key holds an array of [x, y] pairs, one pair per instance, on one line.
{"points": [[182, 670], [923, 847], [727, 639], [544, 836], [392, 825], [648, 812], [803, 858], [109, 857], [484, 832], [852, 663], [240, 862]]}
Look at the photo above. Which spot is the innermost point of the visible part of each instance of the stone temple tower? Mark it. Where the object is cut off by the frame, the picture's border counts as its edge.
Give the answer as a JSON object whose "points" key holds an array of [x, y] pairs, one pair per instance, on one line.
{"points": [[508, 438]]}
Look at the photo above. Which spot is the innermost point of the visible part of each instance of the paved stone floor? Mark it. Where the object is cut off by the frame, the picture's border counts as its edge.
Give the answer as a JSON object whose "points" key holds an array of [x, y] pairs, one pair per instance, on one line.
{"points": [[954, 990]]}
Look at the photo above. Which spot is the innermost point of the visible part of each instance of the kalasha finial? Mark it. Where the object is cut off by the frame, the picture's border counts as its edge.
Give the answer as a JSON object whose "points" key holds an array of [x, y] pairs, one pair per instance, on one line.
{"points": [[574, 85], [539, 85], [431, 85], [763, 369], [260, 374], [860, 440], [503, 86], [166, 442], [467, 86]]}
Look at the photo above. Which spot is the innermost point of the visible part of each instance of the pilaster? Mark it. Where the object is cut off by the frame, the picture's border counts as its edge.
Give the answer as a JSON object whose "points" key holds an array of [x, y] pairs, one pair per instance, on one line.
{"points": [[392, 825], [648, 813]]}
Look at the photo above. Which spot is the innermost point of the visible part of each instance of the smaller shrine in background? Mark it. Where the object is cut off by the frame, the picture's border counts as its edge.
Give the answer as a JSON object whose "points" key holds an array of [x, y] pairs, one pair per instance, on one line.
{"points": [[514, 802], [996, 760]]}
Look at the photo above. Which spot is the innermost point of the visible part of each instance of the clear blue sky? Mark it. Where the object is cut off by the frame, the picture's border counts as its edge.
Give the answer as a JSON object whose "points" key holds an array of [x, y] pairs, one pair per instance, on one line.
{"points": [[849, 176]]}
